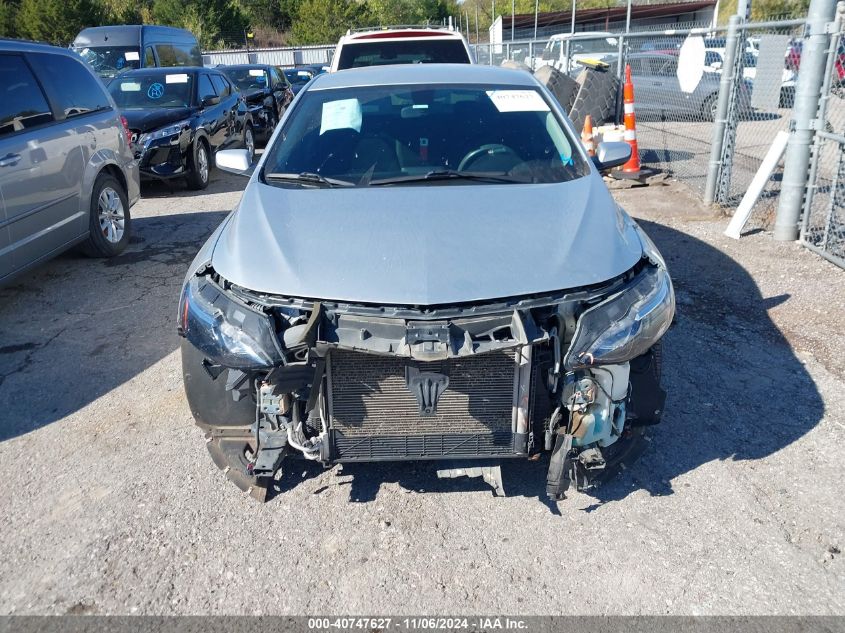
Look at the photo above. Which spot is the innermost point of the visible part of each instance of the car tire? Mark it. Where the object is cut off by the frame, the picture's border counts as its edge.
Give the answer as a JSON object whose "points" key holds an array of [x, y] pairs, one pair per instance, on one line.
{"points": [[199, 166], [109, 219], [249, 142]]}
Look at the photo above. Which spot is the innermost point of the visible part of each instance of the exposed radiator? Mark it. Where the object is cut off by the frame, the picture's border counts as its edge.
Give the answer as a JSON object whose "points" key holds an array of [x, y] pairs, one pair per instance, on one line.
{"points": [[375, 415]]}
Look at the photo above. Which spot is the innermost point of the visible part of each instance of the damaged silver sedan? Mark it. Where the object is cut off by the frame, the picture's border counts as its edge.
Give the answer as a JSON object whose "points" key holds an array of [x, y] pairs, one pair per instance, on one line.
{"points": [[425, 264]]}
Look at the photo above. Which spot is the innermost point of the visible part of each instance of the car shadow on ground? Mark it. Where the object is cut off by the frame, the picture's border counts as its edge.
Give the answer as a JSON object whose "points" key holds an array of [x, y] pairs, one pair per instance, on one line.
{"points": [[736, 391], [75, 328]]}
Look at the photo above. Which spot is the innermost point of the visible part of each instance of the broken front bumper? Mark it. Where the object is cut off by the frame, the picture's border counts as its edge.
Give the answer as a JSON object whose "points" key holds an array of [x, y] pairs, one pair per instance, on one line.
{"points": [[338, 383]]}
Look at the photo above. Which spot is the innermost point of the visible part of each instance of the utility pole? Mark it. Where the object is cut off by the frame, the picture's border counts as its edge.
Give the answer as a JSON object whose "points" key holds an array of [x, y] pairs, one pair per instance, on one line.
{"points": [[536, 13], [476, 24], [513, 11], [627, 18]]}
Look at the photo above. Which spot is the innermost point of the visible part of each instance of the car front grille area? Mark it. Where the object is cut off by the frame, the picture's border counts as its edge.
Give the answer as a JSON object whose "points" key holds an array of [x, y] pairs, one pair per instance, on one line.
{"points": [[375, 415]]}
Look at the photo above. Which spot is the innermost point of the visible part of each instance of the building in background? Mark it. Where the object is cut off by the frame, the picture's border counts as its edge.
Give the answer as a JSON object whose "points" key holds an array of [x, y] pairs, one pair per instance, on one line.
{"points": [[643, 17]]}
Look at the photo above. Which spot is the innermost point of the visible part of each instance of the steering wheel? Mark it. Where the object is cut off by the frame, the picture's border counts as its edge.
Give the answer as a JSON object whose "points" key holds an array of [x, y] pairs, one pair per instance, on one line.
{"points": [[496, 149]]}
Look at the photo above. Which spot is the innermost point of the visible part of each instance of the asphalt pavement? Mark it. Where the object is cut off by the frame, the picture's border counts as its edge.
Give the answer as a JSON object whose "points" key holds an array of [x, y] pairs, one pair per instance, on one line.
{"points": [[111, 504]]}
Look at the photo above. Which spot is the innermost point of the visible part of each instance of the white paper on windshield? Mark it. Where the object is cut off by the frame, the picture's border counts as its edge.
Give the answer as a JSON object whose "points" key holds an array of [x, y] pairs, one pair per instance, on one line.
{"points": [[518, 101], [130, 86], [132, 56], [341, 115], [304, 73], [176, 79], [256, 72]]}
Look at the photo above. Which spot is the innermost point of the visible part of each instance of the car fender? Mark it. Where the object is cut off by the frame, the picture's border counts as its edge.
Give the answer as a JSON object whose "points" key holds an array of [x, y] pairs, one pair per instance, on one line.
{"points": [[125, 170]]}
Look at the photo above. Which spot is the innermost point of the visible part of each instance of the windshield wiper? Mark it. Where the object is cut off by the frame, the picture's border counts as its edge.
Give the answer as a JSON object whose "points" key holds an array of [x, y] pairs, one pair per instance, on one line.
{"points": [[450, 174], [308, 178]]}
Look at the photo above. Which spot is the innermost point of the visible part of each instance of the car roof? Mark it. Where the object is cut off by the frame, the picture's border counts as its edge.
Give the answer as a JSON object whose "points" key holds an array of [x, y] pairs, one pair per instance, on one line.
{"points": [[28, 46], [397, 33], [129, 34], [407, 74], [256, 66]]}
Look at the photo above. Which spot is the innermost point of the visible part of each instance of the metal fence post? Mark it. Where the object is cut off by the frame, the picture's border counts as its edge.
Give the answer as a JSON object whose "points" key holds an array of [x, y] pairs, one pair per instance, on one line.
{"points": [[721, 118], [822, 115], [796, 165]]}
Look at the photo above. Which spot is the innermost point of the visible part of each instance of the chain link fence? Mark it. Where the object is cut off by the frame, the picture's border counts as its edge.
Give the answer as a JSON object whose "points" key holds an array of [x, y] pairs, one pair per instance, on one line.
{"points": [[823, 224]]}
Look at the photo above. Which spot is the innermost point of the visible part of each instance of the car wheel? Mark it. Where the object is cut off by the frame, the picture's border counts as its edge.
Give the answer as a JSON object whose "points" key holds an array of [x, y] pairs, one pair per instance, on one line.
{"points": [[249, 142], [110, 221], [199, 166]]}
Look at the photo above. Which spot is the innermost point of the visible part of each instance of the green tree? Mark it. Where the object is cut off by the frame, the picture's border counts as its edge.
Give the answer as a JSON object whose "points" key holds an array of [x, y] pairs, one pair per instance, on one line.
{"points": [[7, 22], [57, 21], [324, 21], [386, 12], [214, 22]]}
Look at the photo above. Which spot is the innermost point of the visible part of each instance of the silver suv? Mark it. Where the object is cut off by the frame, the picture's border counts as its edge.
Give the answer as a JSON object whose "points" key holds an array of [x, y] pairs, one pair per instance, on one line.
{"points": [[67, 173]]}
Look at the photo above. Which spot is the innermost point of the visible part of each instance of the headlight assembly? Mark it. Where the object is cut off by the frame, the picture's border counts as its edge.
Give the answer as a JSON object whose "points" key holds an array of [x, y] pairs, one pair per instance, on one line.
{"points": [[170, 130], [226, 331], [626, 325]]}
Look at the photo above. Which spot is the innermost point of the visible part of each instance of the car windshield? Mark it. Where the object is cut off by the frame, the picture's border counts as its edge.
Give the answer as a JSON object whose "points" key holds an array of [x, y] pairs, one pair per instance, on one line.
{"points": [[110, 61], [391, 135], [298, 77], [247, 78], [384, 52], [154, 90]]}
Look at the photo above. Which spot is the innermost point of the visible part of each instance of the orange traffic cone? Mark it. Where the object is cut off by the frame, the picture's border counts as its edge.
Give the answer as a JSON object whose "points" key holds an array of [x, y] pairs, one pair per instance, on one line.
{"points": [[633, 165], [587, 136]]}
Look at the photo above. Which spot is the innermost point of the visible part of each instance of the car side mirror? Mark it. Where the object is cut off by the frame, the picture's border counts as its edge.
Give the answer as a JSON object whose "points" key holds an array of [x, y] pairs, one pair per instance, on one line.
{"points": [[235, 161], [611, 154], [210, 100]]}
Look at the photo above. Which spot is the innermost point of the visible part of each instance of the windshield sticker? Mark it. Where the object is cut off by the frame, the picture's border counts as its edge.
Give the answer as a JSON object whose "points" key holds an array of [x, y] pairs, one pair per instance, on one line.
{"points": [[304, 73], [176, 79], [518, 101], [130, 86], [256, 72], [120, 63], [341, 115], [155, 91], [132, 56]]}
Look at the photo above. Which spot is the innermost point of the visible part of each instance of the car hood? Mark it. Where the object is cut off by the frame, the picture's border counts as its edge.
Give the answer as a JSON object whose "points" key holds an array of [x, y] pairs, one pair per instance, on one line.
{"points": [[425, 245], [256, 95], [149, 119]]}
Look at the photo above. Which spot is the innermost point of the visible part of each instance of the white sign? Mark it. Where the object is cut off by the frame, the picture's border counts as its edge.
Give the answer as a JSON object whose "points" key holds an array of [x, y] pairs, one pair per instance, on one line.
{"points": [[691, 63], [518, 101], [341, 115], [176, 79], [256, 72], [132, 56], [130, 86]]}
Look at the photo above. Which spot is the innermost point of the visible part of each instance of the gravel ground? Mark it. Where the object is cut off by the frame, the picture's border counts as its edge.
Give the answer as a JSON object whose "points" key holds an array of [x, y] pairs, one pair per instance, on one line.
{"points": [[112, 505]]}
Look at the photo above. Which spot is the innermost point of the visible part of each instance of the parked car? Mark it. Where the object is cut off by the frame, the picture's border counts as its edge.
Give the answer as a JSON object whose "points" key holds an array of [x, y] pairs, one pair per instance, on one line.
{"points": [[179, 118], [714, 61], [67, 174], [298, 77], [112, 50], [266, 91], [425, 264], [399, 45], [658, 92]]}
